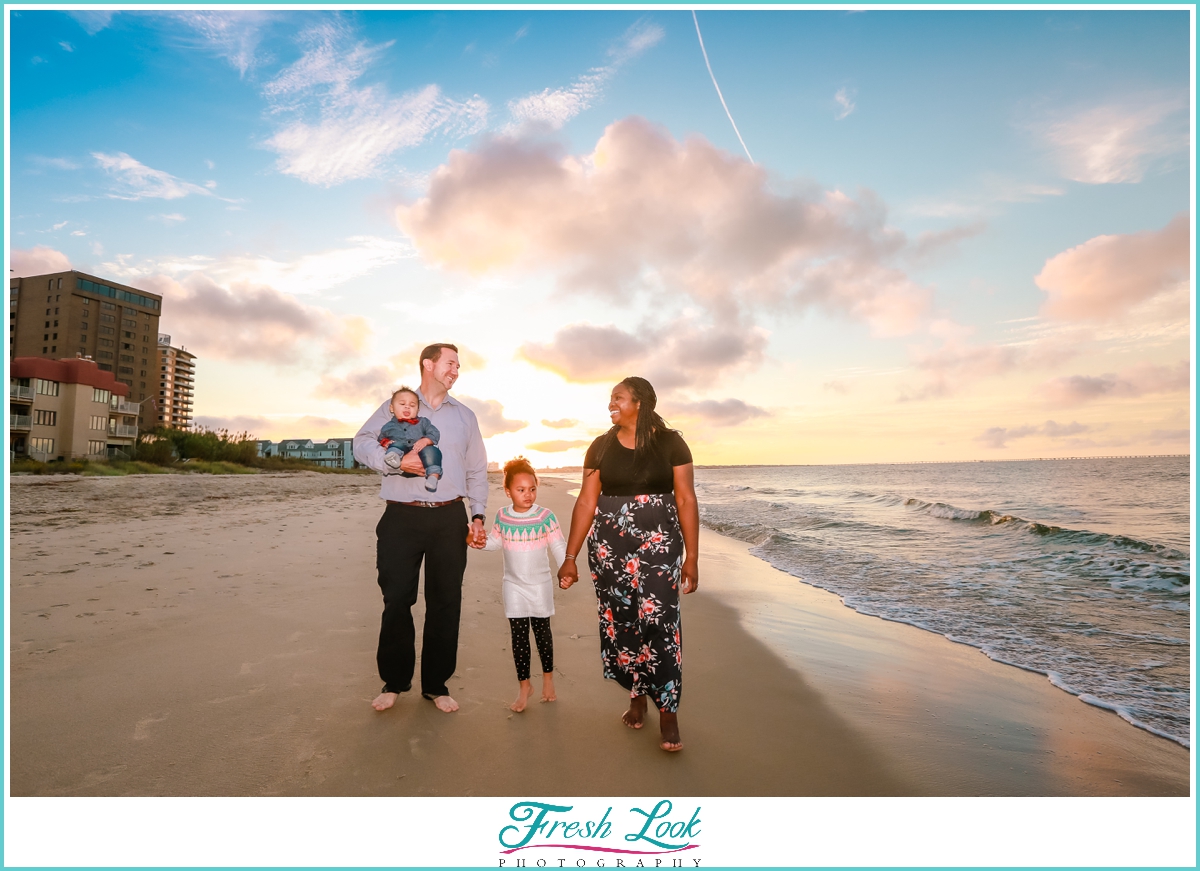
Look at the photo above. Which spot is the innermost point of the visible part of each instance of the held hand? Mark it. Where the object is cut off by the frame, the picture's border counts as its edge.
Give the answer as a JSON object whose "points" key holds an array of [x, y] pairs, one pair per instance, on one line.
{"points": [[411, 462], [471, 540], [422, 444], [478, 534], [568, 574], [690, 578]]}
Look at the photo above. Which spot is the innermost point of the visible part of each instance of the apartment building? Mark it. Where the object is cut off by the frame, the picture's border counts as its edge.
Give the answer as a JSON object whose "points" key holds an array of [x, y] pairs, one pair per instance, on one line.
{"points": [[68, 409], [333, 453], [63, 315], [176, 384]]}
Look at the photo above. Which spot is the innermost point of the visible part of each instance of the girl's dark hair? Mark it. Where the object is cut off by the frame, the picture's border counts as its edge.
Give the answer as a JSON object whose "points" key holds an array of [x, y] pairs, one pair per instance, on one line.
{"points": [[517, 466], [649, 421]]}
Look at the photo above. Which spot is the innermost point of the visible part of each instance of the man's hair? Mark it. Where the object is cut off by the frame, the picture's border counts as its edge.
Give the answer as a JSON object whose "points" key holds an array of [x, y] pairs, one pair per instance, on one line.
{"points": [[433, 352], [404, 388]]}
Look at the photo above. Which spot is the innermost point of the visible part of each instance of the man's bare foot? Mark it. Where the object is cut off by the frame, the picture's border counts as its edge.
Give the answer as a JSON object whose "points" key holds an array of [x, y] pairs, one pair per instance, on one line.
{"points": [[522, 697], [384, 701], [636, 714], [668, 726], [445, 704], [548, 687]]}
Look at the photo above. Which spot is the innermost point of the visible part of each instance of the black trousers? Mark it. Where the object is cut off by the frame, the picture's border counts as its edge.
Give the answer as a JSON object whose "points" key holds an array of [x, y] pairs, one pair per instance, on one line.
{"points": [[405, 536]]}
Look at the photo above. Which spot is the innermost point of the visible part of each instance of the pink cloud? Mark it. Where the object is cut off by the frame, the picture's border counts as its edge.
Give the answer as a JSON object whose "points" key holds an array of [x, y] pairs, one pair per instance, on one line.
{"points": [[252, 322], [38, 260], [490, 414], [714, 412], [685, 218], [1135, 381], [1108, 275], [556, 446]]}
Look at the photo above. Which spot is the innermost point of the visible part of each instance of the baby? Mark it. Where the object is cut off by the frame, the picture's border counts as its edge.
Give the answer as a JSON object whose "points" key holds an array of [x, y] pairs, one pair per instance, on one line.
{"points": [[406, 432]]}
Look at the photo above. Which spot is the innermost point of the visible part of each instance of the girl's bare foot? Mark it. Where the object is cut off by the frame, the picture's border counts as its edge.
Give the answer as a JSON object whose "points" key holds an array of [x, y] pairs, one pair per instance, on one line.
{"points": [[384, 701], [636, 714], [445, 704], [668, 726], [548, 687], [522, 697]]}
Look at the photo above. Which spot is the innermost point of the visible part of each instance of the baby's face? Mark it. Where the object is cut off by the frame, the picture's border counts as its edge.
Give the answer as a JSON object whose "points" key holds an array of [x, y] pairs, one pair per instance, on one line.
{"points": [[404, 406]]}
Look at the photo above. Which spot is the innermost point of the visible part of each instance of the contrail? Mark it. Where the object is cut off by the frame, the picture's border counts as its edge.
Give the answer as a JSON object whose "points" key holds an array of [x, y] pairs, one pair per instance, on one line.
{"points": [[718, 87]]}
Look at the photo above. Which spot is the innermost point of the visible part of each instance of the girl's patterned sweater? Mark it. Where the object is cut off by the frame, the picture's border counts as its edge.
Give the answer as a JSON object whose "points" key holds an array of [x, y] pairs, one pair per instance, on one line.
{"points": [[525, 538]]}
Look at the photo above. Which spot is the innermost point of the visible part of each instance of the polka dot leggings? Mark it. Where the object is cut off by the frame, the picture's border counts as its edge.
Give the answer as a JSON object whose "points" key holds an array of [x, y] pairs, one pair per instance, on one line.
{"points": [[520, 643]]}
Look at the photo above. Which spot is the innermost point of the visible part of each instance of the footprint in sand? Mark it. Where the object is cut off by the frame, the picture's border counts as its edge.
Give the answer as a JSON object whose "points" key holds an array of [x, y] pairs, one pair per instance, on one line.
{"points": [[414, 748], [139, 731], [255, 690]]}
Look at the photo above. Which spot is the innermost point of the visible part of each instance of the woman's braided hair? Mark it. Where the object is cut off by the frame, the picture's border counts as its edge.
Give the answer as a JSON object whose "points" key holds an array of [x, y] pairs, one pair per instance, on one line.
{"points": [[649, 421]]}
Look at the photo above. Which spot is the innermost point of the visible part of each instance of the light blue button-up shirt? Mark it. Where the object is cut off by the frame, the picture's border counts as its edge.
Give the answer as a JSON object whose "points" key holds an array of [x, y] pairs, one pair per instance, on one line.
{"points": [[464, 458]]}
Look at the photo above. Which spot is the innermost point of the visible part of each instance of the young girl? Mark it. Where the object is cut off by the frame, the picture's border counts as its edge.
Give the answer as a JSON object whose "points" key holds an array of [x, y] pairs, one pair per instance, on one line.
{"points": [[525, 531]]}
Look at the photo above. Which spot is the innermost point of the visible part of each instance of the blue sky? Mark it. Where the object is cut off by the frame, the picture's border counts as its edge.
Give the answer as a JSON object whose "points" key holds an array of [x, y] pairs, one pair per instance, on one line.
{"points": [[964, 234]]}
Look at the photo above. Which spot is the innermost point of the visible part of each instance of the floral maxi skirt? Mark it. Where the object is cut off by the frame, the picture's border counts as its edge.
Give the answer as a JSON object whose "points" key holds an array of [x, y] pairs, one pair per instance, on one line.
{"points": [[635, 553]]}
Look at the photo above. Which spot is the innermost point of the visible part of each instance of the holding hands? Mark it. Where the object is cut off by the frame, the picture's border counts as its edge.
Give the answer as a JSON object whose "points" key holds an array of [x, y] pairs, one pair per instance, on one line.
{"points": [[476, 536], [568, 574]]}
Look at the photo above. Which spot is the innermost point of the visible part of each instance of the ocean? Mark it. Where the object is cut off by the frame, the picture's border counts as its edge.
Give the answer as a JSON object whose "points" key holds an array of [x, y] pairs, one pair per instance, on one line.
{"points": [[1077, 569]]}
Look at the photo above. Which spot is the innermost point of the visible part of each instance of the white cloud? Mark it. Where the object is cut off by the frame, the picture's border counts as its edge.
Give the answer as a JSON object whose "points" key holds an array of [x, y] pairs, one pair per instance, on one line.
{"points": [[53, 162], [60, 225], [1135, 381], [66, 46], [137, 181], [491, 416], [78, 233], [93, 21], [1119, 142], [173, 218], [845, 100], [340, 129], [554, 108], [38, 260], [233, 36]]}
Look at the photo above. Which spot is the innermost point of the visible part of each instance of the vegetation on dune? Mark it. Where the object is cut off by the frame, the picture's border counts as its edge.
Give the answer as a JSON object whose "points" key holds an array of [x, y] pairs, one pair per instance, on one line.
{"points": [[163, 451]]}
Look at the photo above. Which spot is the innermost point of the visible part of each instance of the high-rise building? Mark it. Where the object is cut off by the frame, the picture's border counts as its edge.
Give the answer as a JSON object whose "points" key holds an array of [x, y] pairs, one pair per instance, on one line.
{"points": [[64, 315], [176, 384]]}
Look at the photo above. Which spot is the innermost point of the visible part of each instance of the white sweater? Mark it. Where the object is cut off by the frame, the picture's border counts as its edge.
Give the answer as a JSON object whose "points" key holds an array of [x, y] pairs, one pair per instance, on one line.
{"points": [[525, 538]]}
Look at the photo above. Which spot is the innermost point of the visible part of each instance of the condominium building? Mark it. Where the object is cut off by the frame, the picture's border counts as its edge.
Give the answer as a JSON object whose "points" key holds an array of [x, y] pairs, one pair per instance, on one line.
{"points": [[68, 409], [176, 383], [332, 453], [63, 315]]}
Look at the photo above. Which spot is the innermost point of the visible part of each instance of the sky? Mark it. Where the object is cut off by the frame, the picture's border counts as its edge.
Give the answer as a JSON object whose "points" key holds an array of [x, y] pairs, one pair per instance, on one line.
{"points": [[849, 237]]}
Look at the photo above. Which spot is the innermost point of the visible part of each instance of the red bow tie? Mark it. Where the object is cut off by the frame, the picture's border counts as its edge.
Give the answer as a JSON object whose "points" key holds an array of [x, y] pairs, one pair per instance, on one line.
{"points": [[414, 421]]}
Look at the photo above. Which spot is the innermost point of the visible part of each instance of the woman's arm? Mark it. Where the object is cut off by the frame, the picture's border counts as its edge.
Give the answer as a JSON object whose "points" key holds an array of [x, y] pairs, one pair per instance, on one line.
{"points": [[689, 524], [581, 522]]}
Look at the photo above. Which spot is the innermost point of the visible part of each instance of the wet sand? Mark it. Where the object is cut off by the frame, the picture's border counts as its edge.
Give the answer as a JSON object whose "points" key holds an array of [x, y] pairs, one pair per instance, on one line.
{"points": [[216, 637]]}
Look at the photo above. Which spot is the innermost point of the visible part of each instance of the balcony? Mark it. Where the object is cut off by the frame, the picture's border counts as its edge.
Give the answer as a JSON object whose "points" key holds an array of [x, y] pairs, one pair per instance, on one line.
{"points": [[124, 432], [20, 393], [20, 421], [123, 407]]}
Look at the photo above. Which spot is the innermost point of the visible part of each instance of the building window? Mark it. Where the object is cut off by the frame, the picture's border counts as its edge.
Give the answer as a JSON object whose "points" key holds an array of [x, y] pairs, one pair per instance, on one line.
{"points": [[86, 301], [42, 417], [96, 447], [105, 355], [125, 370], [108, 319], [129, 323], [45, 350], [84, 325], [54, 348], [56, 334], [42, 446], [107, 306], [106, 343], [107, 331], [59, 287], [125, 358], [56, 322], [47, 388], [99, 395], [100, 422], [83, 337]]}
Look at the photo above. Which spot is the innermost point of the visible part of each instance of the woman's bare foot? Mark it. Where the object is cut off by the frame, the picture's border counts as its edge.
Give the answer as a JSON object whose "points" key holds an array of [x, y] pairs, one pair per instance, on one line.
{"points": [[445, 704], [522, 697], [384, 701], [548, 687], [668, 726], [636, 714]]}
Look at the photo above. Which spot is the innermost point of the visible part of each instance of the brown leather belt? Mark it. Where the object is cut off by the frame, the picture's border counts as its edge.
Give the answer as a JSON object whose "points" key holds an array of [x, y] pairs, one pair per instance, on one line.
{"points": [[426, 504]]}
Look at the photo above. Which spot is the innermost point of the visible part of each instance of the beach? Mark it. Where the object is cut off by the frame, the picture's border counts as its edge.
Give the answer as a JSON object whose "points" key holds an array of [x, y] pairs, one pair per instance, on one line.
{"points": [[195, 635]]}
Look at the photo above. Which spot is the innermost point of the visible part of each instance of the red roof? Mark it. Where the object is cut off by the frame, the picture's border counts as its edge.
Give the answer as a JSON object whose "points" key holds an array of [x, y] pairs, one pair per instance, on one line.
{"points": [[73, 370]]}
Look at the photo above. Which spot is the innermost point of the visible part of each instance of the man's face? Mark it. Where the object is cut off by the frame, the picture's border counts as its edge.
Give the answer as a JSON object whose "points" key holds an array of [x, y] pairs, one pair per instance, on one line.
{"points": [[444, 368]]}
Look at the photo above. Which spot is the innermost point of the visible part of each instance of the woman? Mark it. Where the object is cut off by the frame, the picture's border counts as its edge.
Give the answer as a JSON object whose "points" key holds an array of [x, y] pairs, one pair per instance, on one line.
{"points": [[638, 501]]}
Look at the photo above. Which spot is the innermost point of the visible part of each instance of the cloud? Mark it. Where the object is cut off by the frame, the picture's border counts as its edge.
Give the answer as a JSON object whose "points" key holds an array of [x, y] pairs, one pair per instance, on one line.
{"points": [[984, 198], [686, 221], [93, 21], [1106, 276], [138, 181], [558, 446], [999, 436], [673, 355], [554, 108], [59, 225], [845, 100], [173, 218], [1135, 381], [66, 46], [53, 162], [1117, 143], [38, 260], [233, 36], [491, 416], [253, 322], [714, 412], [339, 130], [564, 423], [1158, 436], [376, 383]]}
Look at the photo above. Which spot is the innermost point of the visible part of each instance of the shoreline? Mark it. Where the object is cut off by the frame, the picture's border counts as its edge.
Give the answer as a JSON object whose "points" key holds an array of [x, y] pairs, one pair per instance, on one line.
{"points": [[234, 655]]}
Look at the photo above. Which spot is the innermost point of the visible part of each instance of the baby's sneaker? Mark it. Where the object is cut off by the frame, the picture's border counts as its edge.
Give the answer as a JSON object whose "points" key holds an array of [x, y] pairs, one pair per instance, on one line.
{"points": [[392, 459], [431, 483]]}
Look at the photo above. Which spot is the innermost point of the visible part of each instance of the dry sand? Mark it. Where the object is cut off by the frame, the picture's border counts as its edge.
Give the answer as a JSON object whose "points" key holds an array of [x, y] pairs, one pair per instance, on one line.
{"points": [[213, 636]]}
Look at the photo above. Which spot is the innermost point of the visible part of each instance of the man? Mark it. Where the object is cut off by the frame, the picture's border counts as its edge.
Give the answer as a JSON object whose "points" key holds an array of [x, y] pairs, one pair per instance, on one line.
{"points": [[414, 528]]}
